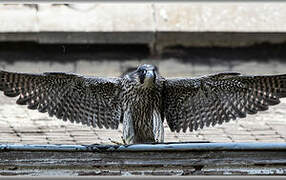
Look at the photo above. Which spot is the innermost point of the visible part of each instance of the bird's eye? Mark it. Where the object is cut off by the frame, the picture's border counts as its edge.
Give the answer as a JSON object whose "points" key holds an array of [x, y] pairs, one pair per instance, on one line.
{"points": [[142, 71]]}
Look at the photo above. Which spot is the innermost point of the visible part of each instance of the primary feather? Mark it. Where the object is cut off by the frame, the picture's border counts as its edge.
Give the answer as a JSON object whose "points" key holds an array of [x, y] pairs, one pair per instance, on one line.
{"points": [[90, 101]]}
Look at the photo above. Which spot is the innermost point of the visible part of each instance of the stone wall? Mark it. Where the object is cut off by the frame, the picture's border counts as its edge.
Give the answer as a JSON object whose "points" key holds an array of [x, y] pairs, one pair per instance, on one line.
{"points": [[156, 24]]}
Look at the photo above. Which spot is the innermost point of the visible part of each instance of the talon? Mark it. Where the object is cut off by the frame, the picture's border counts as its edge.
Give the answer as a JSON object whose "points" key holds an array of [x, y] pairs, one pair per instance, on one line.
{"points": [[123, 140], [117, 143]]}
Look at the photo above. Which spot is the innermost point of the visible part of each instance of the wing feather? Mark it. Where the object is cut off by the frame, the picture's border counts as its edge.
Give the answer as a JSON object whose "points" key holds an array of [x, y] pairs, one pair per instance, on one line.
{"points": [[193, 103], [92, 101]]}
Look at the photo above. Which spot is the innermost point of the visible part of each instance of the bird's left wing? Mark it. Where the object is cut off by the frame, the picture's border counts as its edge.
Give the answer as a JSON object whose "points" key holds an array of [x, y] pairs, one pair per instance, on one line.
{"points": [[208, 100], [92, 101]]}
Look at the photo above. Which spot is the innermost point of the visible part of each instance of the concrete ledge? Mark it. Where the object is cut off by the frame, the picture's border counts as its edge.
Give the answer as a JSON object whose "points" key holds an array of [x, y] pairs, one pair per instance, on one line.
{"points": [[219, 39], [156, 24], [80, 37], [221, 17], [141, 17], [157, 42], [18, 18], [96, 17]]}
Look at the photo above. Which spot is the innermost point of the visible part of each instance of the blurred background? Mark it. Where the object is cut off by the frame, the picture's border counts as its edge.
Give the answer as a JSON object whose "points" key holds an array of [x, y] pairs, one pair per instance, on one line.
{"points": [[109, 39]]}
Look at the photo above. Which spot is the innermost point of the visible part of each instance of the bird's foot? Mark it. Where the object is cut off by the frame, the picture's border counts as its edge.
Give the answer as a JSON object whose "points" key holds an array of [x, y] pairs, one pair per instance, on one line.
{"points": [[118, 143]]}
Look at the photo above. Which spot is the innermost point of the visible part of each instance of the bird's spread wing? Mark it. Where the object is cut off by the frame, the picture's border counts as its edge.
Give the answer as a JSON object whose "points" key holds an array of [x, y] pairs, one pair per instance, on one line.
{"points": [[208, 100], [90, 101]]}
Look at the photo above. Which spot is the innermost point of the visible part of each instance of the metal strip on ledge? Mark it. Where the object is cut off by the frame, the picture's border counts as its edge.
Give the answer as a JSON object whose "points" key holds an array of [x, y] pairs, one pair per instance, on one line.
{"points": [[183, 159], [147, 147]]}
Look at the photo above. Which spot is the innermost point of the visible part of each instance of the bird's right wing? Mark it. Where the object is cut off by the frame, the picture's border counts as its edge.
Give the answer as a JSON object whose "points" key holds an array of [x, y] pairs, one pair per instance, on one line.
{"points": [[193, 103], [92, 101]]}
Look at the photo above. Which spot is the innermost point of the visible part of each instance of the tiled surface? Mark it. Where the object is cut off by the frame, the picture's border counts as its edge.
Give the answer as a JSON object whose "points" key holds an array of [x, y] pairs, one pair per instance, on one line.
{"points": [[20, 125]]}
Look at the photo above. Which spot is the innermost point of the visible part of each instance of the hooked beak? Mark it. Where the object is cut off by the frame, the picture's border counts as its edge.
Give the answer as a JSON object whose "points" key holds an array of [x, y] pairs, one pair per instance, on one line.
{"points": [[149, 78], [149, 74]]}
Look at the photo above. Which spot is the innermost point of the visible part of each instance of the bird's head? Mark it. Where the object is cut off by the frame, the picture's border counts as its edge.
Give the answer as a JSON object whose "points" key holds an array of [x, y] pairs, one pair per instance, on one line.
{"points": [[145, 75]]}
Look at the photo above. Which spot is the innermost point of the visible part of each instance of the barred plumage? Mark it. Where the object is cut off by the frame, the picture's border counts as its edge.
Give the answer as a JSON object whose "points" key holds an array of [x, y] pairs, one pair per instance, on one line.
{"points": [[142, 99], [214, 99], [90, 101]]}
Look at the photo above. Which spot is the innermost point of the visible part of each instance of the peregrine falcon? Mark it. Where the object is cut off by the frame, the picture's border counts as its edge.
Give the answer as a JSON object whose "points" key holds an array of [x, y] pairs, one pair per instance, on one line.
{"points": [[142, 99]]}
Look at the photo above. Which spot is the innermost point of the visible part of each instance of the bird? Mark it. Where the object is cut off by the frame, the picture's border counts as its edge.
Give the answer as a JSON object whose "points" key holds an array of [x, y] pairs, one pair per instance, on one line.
{"points": [[142, 100]]}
